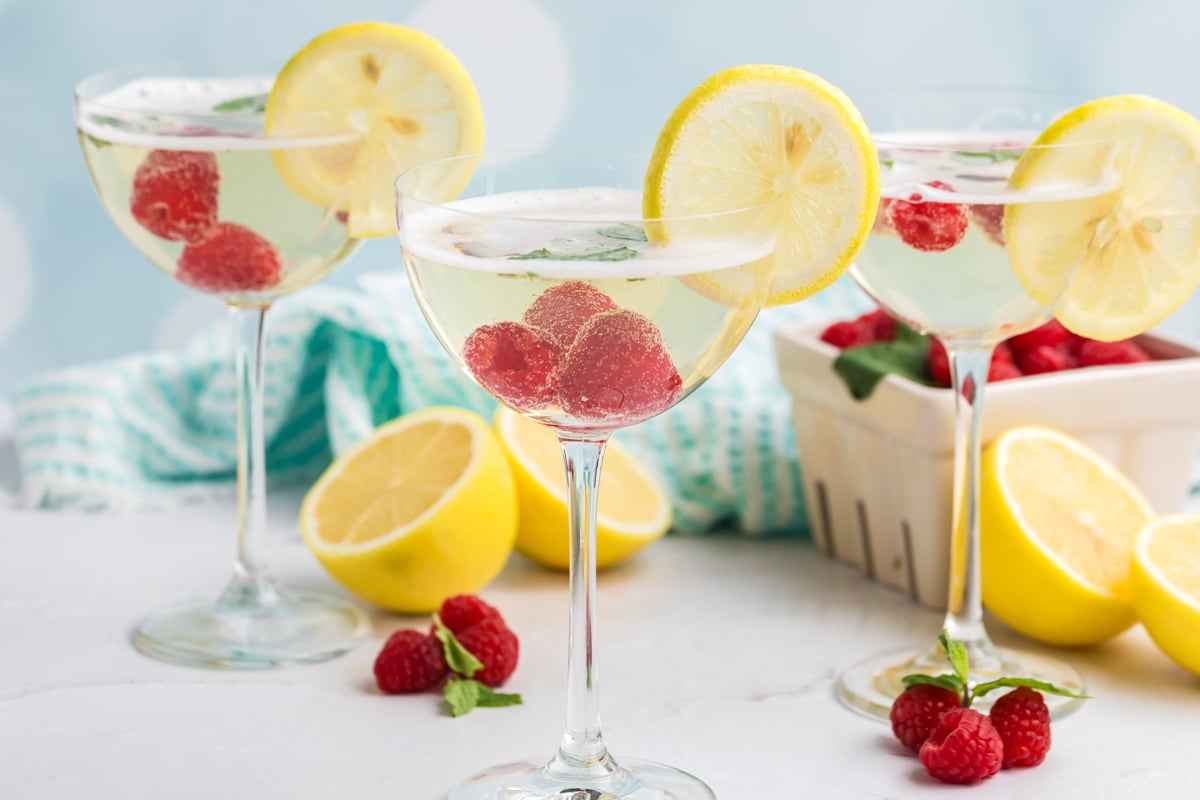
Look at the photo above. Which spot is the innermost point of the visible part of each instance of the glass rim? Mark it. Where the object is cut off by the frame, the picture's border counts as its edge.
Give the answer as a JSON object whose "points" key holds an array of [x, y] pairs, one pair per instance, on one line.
{"points": [[86, 93], [454, 204], [1074, 98]]}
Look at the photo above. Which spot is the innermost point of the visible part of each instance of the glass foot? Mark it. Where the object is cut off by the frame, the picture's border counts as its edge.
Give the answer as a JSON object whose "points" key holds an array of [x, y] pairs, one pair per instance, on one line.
{"points": [[289, 629], [870, 685], [533, 780]]}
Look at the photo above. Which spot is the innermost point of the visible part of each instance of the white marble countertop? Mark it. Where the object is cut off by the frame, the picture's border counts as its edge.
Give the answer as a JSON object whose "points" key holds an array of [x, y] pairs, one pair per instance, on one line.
{"points": [[716, 655]]}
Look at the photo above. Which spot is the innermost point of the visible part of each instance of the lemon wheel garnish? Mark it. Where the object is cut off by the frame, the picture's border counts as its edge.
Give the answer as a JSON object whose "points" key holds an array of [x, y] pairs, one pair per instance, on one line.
{"points": [[755, 134], [1058, 523], [1165, 579], [395, 97], [1137, 248], [633, 512], [422, 509]]}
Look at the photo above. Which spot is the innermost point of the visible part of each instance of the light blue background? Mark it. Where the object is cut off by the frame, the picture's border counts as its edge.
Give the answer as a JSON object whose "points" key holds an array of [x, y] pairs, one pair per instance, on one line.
{"points": [[548, 71]]}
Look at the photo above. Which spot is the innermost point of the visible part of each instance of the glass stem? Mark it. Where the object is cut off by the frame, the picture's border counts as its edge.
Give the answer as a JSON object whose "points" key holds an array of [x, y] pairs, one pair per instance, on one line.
{"points": [[251, 585], [969, 365], [582, 752]]}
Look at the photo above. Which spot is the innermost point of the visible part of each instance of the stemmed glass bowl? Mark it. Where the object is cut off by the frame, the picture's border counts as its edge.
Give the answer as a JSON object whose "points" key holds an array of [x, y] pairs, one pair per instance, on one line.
{"points": [[939, 259], [186, 167], [546, 285]]}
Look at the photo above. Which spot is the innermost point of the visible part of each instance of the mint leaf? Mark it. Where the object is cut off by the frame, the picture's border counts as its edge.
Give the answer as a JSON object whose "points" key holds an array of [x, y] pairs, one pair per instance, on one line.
{"points": [[990, 155], [464, 694], [1032, 683], [461, 695], [862, 367], [946, 681], [621, 253], [956, 653], [625, 231], [459, 658], [254, 104], [492, 699]]}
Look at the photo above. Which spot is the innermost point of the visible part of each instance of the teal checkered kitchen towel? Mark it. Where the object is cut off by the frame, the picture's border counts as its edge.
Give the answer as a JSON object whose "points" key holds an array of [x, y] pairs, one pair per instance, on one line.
{"points": [[158, 429]]}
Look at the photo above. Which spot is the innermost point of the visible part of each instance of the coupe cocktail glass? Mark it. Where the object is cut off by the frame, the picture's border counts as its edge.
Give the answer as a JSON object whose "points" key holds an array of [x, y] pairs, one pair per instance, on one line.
{"points": [[542, 285], [185, 167], [937, 260]]}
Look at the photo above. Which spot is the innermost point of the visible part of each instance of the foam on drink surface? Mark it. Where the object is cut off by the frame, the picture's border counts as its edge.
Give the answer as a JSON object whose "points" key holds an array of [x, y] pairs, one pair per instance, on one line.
{"points": [[587, 233], [186, 114]]}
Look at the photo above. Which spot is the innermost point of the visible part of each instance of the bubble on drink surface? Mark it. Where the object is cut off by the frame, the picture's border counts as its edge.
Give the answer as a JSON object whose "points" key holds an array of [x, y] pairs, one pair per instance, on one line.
{"points": [[562, 310], [618, 370], [15, 271], [518, 364]]}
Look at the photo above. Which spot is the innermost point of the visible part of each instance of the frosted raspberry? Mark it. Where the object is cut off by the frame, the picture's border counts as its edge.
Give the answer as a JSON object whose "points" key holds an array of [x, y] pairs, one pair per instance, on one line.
{"points": [[495, 646], [916, 712], [230, 258], [963, 748], [410, 661], [1023, 722], [618, 370], [927, 225], [514, 362], [1092, 353], [175, 194], [989, 218], [562, 310]]}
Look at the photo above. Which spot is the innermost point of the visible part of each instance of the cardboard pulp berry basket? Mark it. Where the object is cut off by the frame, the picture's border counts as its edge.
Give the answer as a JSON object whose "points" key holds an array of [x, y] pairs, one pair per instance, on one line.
{"points": [[878, 472]]}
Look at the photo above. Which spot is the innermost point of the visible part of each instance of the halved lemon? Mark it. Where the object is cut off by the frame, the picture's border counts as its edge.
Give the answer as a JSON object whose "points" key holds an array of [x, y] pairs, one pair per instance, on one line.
{"points": [[633, 512], [1057, 526], [765, 134], [1165, 579], [1139, 244], [391, 97], [422, 509]]}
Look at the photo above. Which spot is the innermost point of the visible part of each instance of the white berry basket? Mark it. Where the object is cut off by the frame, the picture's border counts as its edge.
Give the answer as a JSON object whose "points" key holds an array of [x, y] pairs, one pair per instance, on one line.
{"points": [[878, 472]]}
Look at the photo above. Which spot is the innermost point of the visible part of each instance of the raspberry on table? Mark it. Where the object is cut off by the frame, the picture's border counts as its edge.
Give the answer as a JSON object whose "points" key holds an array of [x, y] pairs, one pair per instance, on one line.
{"points": [[410, 661], [618, 369], [927, 225], [229, 258], [516, 363], [1092, 353], [963, 748], [916, 712], [464, 610], [175, 194], [1044, 358], [561, 311], [1023, 722], [495, 646]]}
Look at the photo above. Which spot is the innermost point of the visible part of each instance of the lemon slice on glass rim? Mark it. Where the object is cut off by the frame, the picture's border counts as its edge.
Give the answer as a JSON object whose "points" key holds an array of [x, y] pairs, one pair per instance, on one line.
{"points": [[404, 98], [1140, 243], [774, 135]]}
